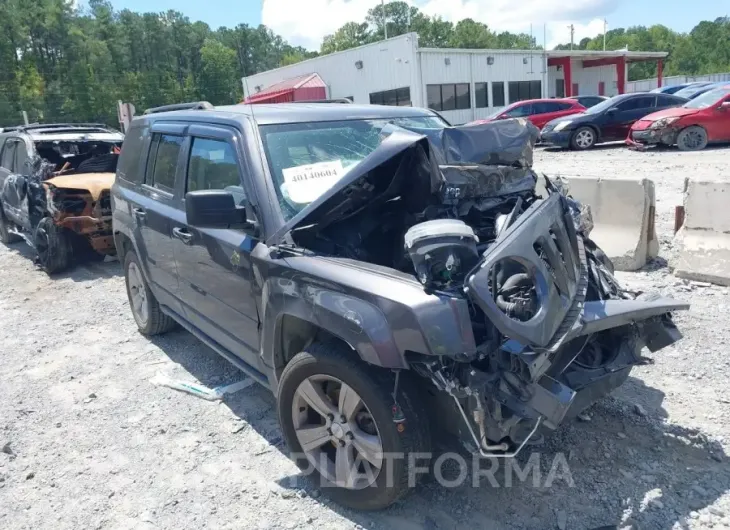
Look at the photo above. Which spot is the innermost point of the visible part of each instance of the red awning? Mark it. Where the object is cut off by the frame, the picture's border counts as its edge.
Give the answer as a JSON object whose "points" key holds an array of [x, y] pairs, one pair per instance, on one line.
{"points": [[286, 90]]}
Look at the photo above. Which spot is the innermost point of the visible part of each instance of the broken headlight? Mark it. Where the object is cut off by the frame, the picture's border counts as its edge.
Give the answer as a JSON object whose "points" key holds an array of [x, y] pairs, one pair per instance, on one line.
{"points": [[660, 124]]}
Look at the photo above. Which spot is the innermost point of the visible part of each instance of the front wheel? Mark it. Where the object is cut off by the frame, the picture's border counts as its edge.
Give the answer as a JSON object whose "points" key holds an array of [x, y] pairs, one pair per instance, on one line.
{"points": [[692, 139], [583, 138], [337, 416], [52, 245]]}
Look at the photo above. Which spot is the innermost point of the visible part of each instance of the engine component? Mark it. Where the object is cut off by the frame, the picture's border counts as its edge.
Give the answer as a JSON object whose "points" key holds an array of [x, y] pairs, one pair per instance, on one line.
{"points": [[442, 251]]}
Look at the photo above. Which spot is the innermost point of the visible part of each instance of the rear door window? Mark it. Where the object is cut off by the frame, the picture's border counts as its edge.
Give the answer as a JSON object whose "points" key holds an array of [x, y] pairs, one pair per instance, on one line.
{"points": [[21, 156], [129, 166], [637, 103], [162, 162], [519, 111], [8, 157]]}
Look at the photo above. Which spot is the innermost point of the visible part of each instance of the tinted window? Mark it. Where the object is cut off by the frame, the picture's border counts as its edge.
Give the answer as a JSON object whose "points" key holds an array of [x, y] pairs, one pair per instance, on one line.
{"points": [[481, 96], [666, 101], [519, 111], [433, 96], [448, 97], [403, 97], [563, 106], [8, 155], [498, 93], [212, 166], [636, 103], [397, 97], [463, 98], [128, 166], [522, 90], [21, 156], [546, 106], [163, 154]]}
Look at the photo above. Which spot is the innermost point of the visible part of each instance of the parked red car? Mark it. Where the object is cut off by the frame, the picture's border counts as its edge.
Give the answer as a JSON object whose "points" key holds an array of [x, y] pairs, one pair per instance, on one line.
{"points": [[692, 126], [538, 111]]}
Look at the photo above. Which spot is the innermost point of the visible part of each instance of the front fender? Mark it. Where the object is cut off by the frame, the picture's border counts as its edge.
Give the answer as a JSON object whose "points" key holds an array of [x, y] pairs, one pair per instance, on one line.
{"points": [[359, 323]]}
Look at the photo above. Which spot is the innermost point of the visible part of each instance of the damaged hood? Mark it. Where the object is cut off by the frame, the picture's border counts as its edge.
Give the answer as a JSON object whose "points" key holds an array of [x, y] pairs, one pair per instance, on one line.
{"points": [[674, 112], [438, 166], [94, 183]]}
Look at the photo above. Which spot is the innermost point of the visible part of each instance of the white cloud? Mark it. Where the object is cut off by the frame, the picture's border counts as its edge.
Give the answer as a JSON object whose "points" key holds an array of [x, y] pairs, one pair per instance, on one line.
{"points": [[306, 22]]}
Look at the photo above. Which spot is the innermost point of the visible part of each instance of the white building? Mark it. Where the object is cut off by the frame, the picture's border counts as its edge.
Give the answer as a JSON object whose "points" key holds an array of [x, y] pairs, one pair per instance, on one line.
{"points": [[462, 84]]}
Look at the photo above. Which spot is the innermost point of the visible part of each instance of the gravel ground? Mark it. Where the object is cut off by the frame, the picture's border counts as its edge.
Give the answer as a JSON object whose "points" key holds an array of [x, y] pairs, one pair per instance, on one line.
{"points": [[86, 441]]}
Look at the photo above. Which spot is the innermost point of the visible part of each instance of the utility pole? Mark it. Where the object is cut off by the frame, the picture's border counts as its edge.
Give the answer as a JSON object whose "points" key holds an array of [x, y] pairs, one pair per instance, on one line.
{"points": [[605, 26], [572, 35], [385, 20]]}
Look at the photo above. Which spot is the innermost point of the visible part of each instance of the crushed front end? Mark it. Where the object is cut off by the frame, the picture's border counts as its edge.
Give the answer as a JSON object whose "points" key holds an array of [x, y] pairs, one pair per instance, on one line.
{"points": [[555, 331], [558, 331], [653, 132], [86, 212]]}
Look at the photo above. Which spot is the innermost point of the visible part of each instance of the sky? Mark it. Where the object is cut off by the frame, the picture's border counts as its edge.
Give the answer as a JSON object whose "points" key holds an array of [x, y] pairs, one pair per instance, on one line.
{"points": [[305, 22]]}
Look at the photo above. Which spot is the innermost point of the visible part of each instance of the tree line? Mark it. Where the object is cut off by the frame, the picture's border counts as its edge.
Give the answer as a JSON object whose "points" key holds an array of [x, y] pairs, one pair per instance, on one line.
{"points": [[64, 63]]}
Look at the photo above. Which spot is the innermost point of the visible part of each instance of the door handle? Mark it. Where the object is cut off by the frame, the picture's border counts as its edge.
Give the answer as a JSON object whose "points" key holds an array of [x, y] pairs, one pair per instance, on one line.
{"points": [[139, 212], [183, 235]]}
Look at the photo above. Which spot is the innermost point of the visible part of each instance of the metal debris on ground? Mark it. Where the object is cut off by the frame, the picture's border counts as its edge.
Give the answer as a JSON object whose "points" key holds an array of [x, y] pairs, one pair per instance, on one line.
{"points": [[210, 394]]}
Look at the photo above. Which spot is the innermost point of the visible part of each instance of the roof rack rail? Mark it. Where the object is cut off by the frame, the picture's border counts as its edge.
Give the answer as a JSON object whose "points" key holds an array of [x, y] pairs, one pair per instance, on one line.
{"points": [[33, 126], [194, 105], [336, 100]]}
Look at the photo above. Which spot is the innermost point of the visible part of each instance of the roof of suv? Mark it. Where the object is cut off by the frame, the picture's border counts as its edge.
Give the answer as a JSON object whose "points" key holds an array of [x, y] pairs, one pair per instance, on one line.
{"points": [[66, 132], [299, 112]]}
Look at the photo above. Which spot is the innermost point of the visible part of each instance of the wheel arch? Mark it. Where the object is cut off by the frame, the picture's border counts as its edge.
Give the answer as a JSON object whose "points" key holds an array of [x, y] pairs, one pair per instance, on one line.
{"points": [[290, 323]]}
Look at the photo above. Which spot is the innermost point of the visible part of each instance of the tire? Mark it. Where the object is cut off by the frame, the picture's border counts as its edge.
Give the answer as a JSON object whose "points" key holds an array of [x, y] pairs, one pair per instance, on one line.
{"points": [[5, 235], [583, 138], [374, 387], [692, 138], [145, 309], [53, 246]]}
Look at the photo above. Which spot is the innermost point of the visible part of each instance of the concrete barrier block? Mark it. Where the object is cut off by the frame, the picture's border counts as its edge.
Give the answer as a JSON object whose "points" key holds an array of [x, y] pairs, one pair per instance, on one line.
{"points": [[623, 214], [703, 242]]}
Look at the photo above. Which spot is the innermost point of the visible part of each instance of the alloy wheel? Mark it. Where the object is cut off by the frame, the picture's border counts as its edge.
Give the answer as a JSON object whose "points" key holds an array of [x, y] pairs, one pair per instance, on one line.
{"points": [[584, 138], [137, 293], [337, 432]]}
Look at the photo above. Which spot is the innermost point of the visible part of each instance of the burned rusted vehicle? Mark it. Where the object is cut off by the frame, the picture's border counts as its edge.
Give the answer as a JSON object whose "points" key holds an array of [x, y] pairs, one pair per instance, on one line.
{"points": [[54, 190]]}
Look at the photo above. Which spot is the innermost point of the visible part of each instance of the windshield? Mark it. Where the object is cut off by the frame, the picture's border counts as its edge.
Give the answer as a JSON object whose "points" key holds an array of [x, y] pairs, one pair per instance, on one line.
{"points": [[307, 159], [600, 107], [690, 91], [707, 99]]}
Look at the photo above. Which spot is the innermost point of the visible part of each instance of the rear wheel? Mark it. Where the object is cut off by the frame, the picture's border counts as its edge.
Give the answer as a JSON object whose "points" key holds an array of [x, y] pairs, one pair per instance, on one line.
{"points": [[337, 417], [692, 139], [6, 236], [52, 245], [145, 309], [583, 138]]}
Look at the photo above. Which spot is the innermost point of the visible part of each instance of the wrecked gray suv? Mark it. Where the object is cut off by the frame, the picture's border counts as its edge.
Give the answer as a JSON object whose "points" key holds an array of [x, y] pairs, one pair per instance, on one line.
{"points": [[388, 277]]}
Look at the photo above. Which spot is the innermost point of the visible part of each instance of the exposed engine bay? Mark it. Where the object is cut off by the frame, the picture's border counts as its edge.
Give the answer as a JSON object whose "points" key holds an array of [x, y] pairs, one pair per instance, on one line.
{"points": [[459, 209]]}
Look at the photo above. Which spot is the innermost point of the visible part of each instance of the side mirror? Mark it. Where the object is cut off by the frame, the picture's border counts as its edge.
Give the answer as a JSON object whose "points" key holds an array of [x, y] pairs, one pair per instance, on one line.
{"points": [[725, 105], [213, 209], [612, 110]]}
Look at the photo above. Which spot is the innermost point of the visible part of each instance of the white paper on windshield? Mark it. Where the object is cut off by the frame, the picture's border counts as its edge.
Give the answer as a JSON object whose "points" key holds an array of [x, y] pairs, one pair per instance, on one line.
{"points": [[305, 183]]}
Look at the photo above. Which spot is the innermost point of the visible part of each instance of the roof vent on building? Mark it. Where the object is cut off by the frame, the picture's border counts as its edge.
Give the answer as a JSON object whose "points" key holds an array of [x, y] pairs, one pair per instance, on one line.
{"points": [[447, 61], [524, 60], [358, 65], [490, 60]]}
